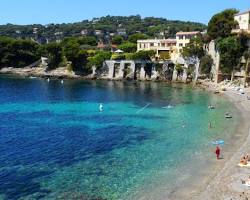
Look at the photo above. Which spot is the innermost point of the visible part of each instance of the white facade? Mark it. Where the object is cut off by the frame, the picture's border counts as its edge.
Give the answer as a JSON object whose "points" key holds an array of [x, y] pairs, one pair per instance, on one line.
{"points": [[172, 46], [243, 20], [84, 32], [183, 38], [158, 45]]}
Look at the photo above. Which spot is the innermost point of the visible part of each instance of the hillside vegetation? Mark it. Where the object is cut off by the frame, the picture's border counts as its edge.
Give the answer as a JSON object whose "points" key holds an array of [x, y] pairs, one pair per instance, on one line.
{"points": [[103, 28]]}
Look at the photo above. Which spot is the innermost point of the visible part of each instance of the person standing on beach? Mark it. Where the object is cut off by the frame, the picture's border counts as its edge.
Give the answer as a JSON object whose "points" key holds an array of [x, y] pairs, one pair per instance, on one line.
{"points": [[217, 152]]}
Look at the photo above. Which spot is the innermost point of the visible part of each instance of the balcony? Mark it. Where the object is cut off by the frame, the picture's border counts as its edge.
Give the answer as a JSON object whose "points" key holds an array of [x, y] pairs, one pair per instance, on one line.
{"points": [[238, 31]]}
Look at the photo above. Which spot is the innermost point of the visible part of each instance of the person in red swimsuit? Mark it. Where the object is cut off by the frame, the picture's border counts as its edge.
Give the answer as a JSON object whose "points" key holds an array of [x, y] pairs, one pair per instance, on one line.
{"points": [[217, 152]]}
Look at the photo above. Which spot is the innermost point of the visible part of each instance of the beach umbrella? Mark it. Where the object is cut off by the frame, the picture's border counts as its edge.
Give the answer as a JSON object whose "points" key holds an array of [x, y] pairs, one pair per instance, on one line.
{"points": [[118, 51]]}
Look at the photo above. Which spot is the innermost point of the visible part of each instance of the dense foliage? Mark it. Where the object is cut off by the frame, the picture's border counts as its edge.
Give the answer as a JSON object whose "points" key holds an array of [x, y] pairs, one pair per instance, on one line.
{"points": [[76, 55], [137, 36], [17, 53], [108, 26], [98, 59], [53, 51], [221, 24], [128, 47], [194, 49], [231, 47], [117, 40], [231, 52], [206, 64]]}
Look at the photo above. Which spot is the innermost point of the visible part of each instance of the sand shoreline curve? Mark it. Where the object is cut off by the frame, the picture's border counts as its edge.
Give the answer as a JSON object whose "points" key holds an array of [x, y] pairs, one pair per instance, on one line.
{"points": [[227, 185]]}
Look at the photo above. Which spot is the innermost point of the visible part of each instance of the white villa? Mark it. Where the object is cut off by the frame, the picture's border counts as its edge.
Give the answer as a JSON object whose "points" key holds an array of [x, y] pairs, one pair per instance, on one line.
{"points": [[183, 38], [243, 20], [164, 48], [168, 49]]}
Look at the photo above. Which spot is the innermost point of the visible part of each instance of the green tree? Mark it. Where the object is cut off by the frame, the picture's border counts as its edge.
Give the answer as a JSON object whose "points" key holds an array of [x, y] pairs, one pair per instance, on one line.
{"points": [[221, 24], [118, 56], [117, 40], [206, 64], [137, 36], [77, 56], [128, 47], [143, 55], [17, 53], [194, 49], [54, 53], [231, 51], [179, 69], [87, 40], [193, 52], [98, 59]]}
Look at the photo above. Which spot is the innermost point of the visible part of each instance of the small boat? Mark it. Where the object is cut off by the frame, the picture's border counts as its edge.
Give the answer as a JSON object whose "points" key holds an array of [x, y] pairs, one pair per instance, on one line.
{"points": [[62, 81], [228, 116], [168, 107], [48, 79], [32, 77]]}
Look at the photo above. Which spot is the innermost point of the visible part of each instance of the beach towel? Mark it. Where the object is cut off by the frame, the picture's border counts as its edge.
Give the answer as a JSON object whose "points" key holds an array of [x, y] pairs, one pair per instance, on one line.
{"points": [[247, 165], [247, 183]]}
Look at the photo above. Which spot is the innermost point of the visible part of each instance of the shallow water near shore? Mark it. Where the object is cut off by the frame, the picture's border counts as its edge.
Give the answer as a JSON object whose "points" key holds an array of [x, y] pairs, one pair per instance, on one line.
{"points": [[55, 143]]}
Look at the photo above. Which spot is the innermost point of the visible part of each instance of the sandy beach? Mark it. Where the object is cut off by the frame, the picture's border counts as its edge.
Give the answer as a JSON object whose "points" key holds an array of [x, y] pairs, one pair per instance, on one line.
{"points": [[227, 184]]}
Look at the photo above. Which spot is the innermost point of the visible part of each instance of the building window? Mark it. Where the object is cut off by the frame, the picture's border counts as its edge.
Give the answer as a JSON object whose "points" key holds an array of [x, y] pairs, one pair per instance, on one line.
{"points": [[151, 44], [140, 45], [180, 45], [181, 37]]}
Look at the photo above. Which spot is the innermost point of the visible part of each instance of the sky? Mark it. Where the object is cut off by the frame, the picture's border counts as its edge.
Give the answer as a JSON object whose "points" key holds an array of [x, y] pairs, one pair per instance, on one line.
{"points": [[65, 11]]}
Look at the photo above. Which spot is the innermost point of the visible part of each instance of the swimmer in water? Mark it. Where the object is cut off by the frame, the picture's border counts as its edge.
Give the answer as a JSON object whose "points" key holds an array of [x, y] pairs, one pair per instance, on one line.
{"points": [[210, 125], [100, 107]]}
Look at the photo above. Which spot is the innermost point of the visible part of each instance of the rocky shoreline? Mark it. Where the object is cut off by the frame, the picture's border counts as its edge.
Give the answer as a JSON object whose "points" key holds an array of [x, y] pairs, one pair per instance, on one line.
{"points": [[40, 72], [63, 73]]}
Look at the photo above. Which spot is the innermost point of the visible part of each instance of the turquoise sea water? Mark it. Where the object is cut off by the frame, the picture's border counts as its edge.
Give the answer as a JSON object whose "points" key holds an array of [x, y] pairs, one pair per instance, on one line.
{"points": [[56, 144]]}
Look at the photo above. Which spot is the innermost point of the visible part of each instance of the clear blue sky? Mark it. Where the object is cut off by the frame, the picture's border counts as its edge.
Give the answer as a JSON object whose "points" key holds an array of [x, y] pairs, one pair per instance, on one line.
{"points": [[60, 11]]}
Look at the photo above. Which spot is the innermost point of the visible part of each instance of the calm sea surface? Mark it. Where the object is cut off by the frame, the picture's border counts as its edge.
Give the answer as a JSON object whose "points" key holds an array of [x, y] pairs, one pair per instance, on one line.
{"points": [[56, 144]]}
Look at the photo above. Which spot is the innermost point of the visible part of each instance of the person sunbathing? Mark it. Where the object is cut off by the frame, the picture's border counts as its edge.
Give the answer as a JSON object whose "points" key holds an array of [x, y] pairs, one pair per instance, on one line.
{"points": [[243, 160], [246, 182], [247, 158]]}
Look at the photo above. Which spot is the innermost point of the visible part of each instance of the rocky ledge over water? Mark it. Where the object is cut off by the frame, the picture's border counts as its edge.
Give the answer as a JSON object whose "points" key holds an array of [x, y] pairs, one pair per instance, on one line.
{"points": [[59, 73]]}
